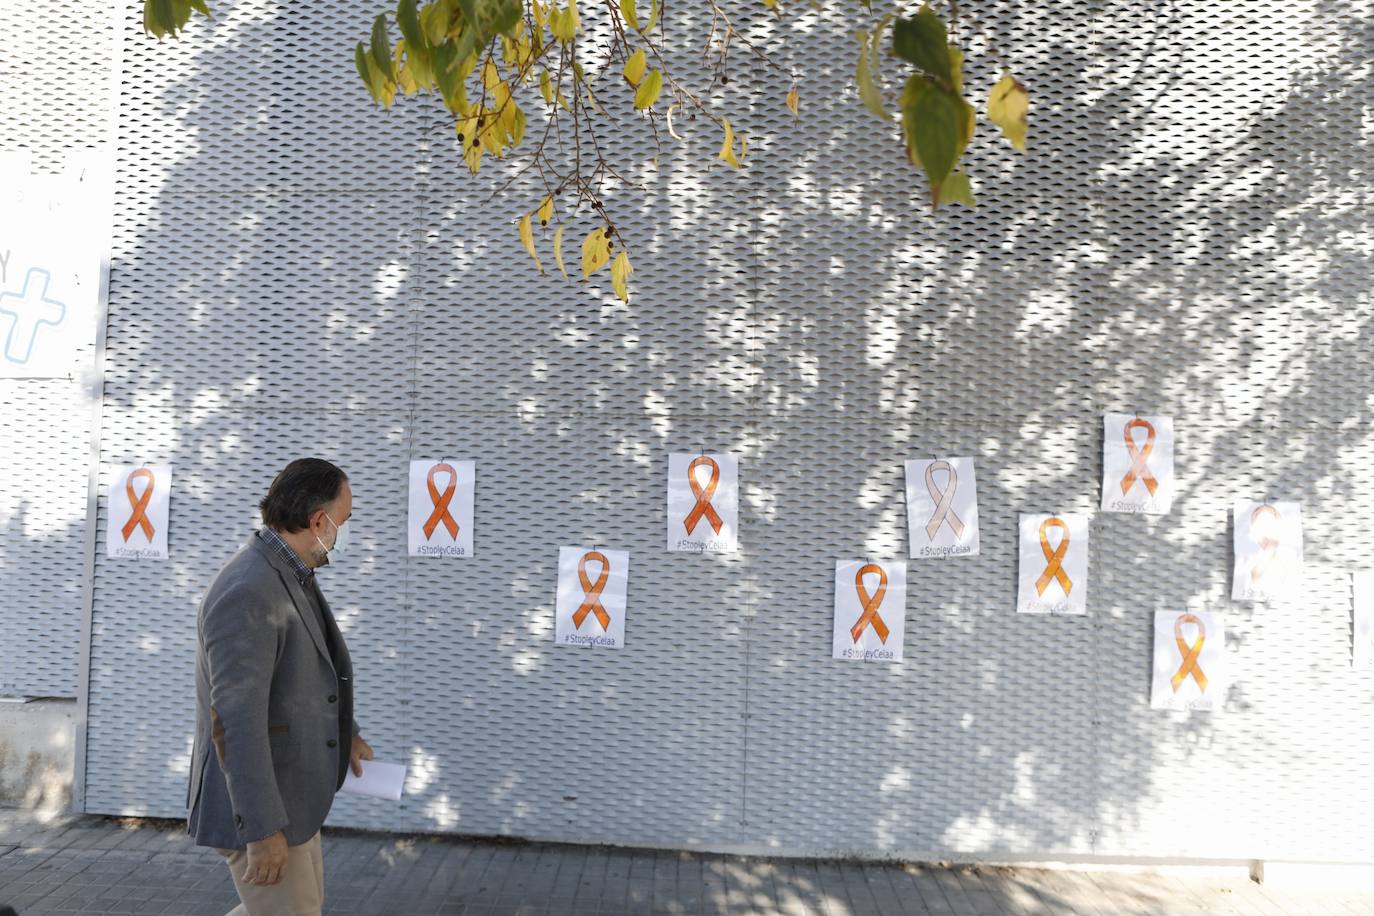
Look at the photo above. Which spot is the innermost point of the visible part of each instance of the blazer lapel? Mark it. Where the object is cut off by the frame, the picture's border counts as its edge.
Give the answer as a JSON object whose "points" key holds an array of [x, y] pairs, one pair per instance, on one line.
{"points": [[298, 597]]}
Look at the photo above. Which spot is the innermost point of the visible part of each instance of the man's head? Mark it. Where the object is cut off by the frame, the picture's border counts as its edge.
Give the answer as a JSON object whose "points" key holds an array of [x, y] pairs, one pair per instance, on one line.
{"points": [[307, 504]]}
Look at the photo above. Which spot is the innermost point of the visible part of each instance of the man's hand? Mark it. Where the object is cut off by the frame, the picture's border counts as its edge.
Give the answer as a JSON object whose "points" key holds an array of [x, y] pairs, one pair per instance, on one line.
{"points": [[266, 860], [361, 751]]}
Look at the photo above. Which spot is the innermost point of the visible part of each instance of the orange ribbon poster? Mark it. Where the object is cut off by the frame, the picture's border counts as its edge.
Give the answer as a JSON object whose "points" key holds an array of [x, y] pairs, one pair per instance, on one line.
{"points": [[441, 507], [138, 503], [1268, 548], [1189, 661], [590, 604], [703, 502], [1137, 463], [1054, 564], [870, 610]]}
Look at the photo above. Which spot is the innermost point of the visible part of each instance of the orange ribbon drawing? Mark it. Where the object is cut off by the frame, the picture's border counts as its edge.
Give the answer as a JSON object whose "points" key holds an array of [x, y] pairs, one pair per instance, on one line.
{"points": [[441, 501], [1269, 546], [703, 508], [1190, 654], [591, 604], [944, 501], [871, 603], [139, 517], [1054, 559], [1139, 469]]}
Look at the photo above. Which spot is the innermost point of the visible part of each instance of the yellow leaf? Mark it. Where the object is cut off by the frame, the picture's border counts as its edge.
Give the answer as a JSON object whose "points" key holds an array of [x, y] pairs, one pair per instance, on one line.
{"points": [[649, 90], [596, 251], [472, 155], [627, 9], [634, 67], [792, 100], [490, 77], [620, 272], [727, 149], [546, 210], [527, 239], [564, 23], [771, 4], [546, 87], [558, 251], [1007, 107]]}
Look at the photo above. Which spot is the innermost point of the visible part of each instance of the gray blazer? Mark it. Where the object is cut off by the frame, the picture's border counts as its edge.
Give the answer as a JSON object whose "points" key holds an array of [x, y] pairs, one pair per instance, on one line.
{"points": [[271, 704]]}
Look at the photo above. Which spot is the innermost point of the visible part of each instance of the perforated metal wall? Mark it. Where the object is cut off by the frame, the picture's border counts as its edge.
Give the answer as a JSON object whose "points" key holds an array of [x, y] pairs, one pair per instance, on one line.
{"points": [[56, 95], [296, 273]]}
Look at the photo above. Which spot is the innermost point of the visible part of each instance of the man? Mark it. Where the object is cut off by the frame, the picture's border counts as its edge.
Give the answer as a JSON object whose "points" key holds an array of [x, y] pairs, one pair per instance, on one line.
{"points": [[275, 734]]}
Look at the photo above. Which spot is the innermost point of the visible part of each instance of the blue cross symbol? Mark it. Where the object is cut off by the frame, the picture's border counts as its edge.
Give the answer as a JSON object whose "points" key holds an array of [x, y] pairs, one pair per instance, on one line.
{"points": [[29, 309]]}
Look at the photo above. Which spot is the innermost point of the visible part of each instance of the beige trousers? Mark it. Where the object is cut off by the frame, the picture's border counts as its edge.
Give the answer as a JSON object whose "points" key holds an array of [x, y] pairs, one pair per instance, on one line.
{"points": [[300, 892]]}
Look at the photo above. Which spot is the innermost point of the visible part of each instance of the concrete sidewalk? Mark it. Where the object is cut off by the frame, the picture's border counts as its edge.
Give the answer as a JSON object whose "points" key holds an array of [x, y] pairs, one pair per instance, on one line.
{"points": [[101, 865]]}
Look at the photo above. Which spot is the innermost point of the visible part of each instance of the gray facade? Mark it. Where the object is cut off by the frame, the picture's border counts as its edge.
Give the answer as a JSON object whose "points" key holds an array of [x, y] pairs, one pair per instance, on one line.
{"points": [[294, 272]]}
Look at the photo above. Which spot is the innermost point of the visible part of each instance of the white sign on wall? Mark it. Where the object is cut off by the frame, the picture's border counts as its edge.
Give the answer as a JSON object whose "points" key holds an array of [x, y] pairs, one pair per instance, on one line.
{"points": [[441, 498], [54, 244], [138, 508], [1137, 464], [1053, 569], [941, 508], [1189, 661], [870, 611], [589, 610], [703, 502], [1268, 550]]}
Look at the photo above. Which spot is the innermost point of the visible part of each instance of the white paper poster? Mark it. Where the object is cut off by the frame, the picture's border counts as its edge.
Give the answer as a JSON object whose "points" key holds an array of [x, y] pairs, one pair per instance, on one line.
{"points": [[590, 607], [441, 498], [1053, 569], [870, 610], [941, 508], [54, 243], [1362, 652], [703, 502], [1189, 661], [1137, 464], [1268, 550], [138, 508]]}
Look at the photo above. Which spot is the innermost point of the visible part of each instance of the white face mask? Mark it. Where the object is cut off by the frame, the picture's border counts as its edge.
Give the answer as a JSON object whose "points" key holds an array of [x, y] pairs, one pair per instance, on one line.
{"points": [[340, 542]]}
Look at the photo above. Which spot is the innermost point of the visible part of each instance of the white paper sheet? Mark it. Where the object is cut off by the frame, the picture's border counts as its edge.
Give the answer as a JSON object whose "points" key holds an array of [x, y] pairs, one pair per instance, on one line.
{"points": [[703, 502], [1268, 550], [589, 609], [379, 780], [941, 508], [441, 500], [1189, 670], [1137, 463], [870, 610], [1053, 569], [138, 504]]}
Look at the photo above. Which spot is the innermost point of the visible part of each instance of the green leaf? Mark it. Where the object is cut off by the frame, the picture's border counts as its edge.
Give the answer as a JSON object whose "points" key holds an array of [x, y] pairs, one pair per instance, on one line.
{"points": [[201, 7], [408, 19], [491, 17], [921, 40], [381, 47], [956, 189], [869, 93], [936, 117], [364, 71]]}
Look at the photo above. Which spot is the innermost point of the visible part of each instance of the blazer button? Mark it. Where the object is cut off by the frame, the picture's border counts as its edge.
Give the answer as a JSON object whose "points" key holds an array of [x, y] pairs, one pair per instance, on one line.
{"points": [[238, 821], [333, 743], [333, 699]]}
